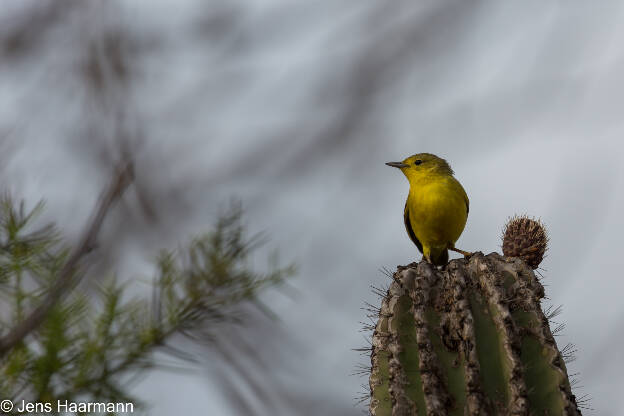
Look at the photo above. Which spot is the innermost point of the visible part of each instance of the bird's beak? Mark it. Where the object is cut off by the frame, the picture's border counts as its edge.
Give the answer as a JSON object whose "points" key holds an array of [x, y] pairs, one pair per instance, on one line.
{"points": [[397, 164]]}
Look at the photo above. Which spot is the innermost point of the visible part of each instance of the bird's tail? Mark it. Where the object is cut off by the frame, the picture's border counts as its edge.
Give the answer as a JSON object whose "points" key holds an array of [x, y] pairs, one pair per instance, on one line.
{"points": [[441, 258]]}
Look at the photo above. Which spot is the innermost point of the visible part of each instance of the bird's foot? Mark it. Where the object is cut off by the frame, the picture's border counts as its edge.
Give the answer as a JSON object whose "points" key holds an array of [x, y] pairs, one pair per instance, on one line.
{"points": [[462, 252]]}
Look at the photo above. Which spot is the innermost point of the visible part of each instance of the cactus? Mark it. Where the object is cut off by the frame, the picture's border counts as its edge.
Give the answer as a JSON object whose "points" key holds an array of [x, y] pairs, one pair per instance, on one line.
{"points": [[470, 339]]}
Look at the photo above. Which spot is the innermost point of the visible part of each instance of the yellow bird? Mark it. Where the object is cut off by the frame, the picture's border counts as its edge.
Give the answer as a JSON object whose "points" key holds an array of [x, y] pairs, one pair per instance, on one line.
{"points": [[436, 209]]}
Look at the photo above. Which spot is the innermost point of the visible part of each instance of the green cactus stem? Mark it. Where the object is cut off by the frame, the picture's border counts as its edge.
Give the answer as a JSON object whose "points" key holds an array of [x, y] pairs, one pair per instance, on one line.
{"points": [[470, 339]]}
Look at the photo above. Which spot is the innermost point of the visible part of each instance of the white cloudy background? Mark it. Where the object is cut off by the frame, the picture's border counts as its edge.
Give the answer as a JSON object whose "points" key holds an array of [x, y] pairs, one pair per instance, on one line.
{"points": [[294, 107]]}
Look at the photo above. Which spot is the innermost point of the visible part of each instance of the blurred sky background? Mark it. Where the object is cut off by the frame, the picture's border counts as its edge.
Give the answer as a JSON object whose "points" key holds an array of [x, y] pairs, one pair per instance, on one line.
{"points": [[293, 107]]}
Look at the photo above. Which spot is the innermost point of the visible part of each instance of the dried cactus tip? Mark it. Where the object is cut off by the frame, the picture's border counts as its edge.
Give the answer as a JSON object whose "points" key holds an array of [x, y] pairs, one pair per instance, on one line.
{"points": [[526, 238]]}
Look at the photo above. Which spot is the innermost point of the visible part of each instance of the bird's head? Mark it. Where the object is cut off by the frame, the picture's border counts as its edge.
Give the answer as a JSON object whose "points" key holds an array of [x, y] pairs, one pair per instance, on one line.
{"points": [[422, 165]]}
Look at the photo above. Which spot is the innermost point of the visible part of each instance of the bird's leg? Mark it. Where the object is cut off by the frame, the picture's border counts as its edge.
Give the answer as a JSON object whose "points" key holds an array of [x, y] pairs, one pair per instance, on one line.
{"points": [[427, 259], [462, 252]]}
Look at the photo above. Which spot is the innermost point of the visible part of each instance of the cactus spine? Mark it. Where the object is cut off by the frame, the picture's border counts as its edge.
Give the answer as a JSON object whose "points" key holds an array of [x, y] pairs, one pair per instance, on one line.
{"points": [[470, 339]]}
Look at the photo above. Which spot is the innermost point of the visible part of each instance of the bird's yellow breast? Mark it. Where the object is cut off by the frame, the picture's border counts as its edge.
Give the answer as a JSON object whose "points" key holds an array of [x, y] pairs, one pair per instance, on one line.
{"points": [[438, 210]]}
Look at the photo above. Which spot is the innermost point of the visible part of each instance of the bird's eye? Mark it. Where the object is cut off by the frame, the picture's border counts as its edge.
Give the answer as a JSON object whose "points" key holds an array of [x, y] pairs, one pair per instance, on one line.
{"points": [[417, 162]]}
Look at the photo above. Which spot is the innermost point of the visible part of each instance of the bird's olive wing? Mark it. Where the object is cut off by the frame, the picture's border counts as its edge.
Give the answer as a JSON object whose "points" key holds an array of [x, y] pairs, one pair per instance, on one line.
{"points": [[410, 231]]}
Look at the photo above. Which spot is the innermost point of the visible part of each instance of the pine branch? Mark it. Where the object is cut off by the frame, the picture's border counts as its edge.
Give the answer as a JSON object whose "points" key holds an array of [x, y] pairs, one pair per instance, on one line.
{"points": [[122, 178], [94, 346]]}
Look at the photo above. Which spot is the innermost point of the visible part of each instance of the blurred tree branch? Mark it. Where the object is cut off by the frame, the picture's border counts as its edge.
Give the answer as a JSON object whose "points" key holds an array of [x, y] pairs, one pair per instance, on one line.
{"points": [[69, 349], [121, 180], [20, 36]]}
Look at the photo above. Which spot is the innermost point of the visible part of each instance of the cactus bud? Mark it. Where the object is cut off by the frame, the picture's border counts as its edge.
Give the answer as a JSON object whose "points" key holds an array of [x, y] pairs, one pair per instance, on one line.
{"points": [[525, 238]]}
